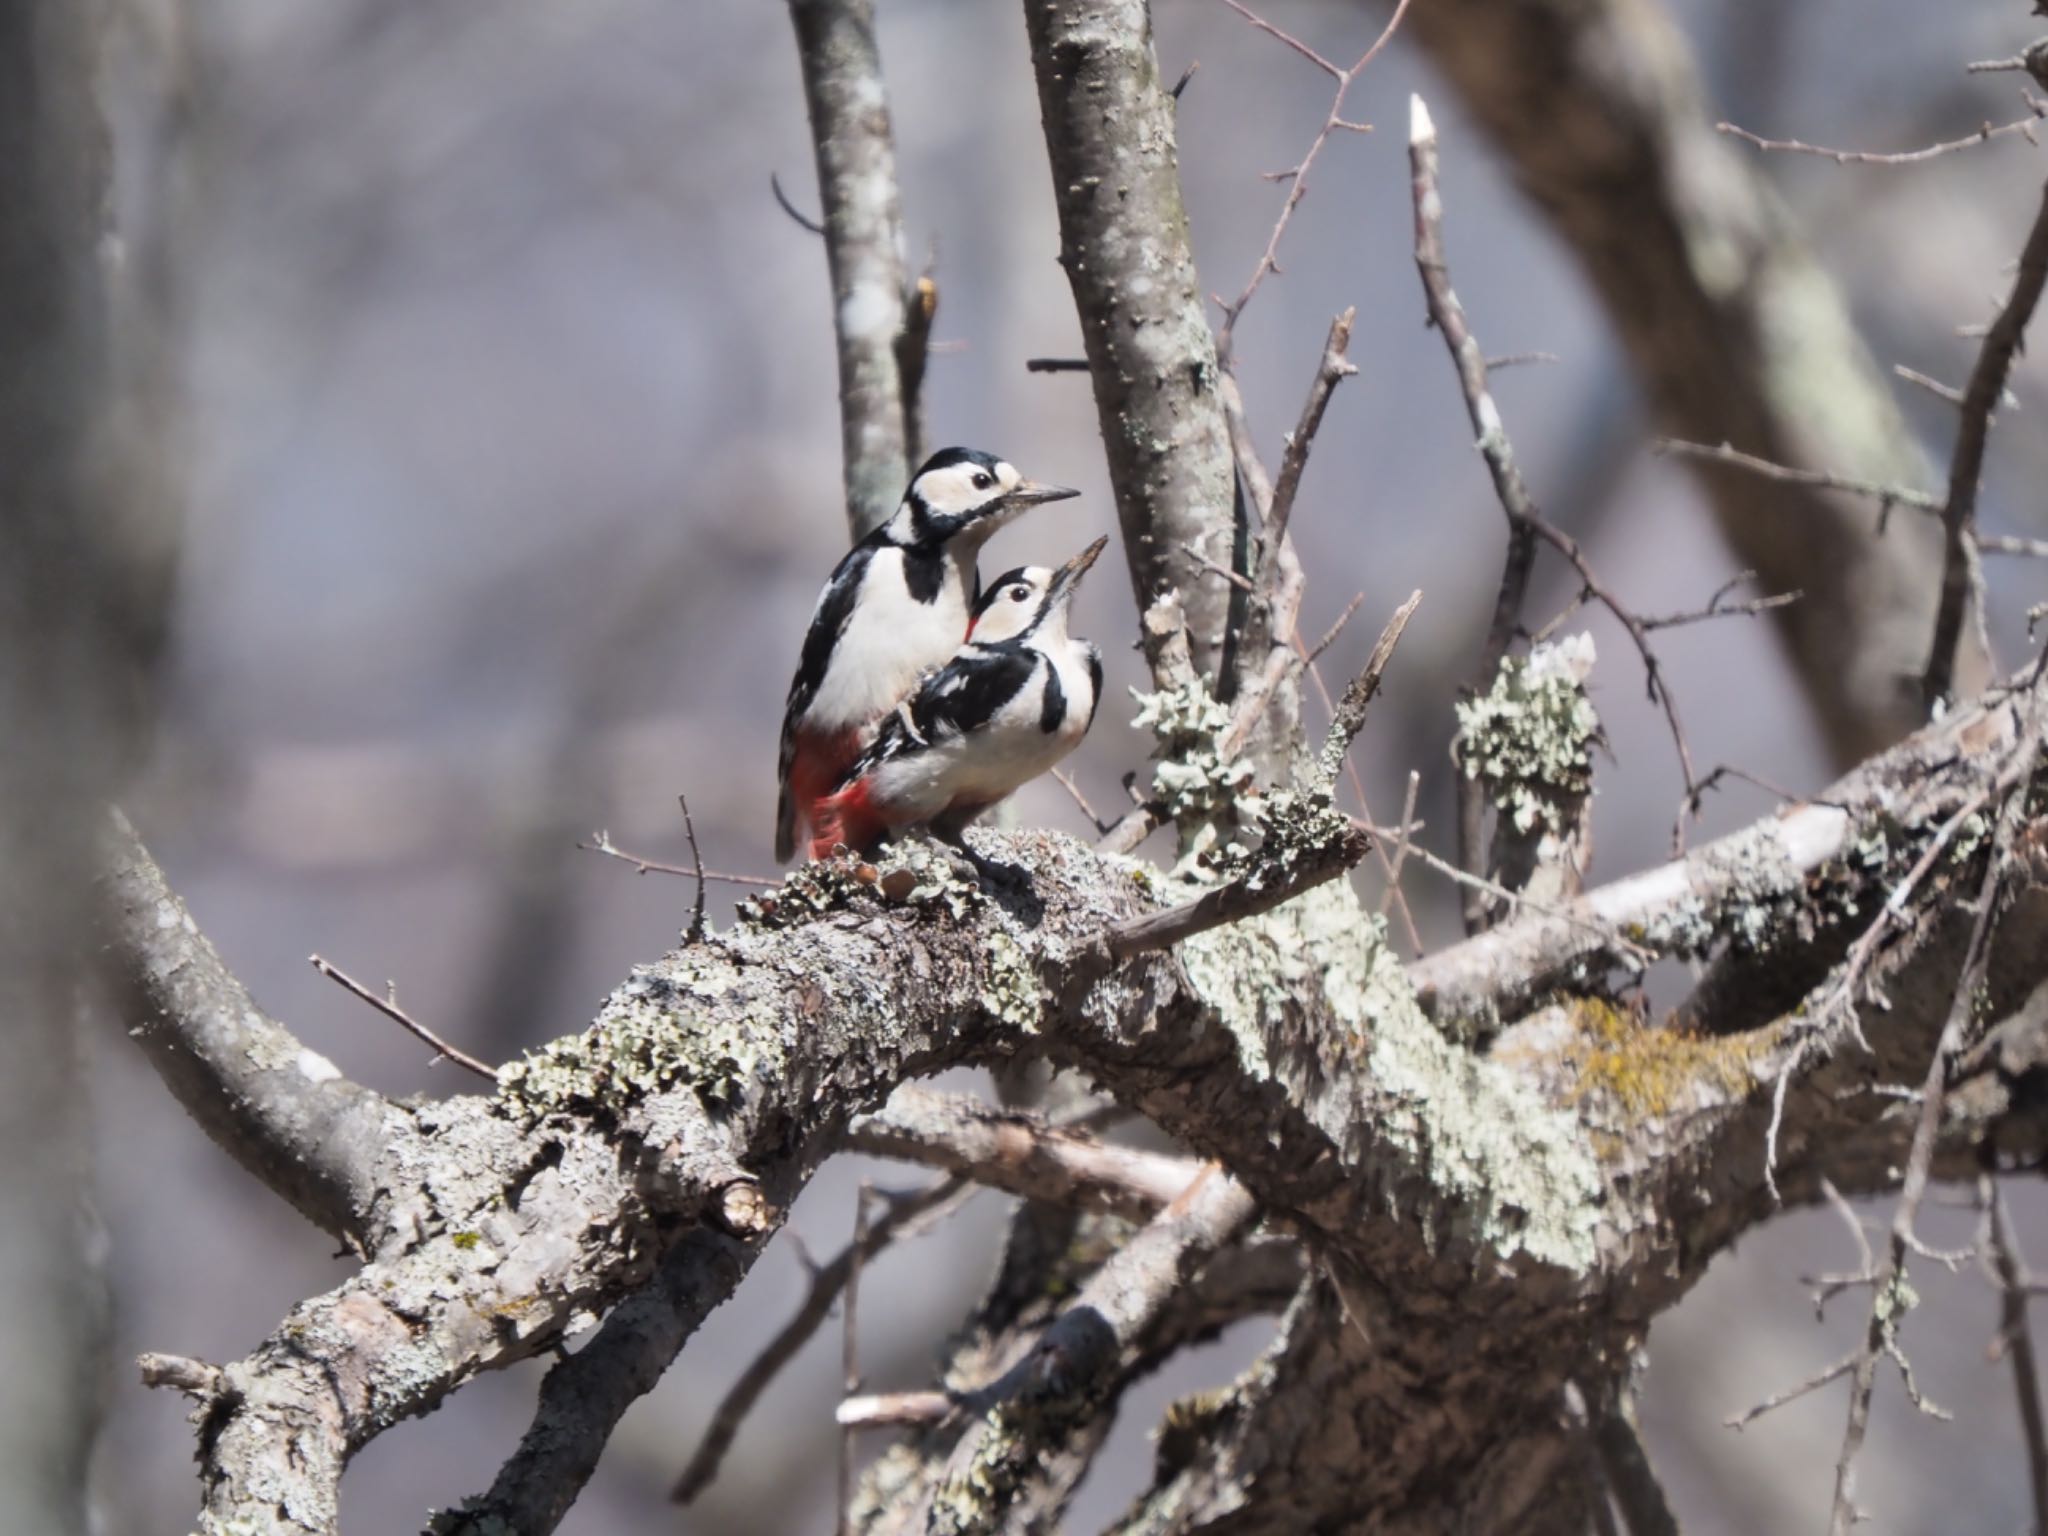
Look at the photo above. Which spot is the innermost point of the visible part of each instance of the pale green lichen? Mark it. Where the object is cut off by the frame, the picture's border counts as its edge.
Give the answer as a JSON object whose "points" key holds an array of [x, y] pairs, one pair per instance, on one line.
{"points": [[1514, 1166], [652, 1033], [1192, 777], [1011, 992], [1529, 740]]}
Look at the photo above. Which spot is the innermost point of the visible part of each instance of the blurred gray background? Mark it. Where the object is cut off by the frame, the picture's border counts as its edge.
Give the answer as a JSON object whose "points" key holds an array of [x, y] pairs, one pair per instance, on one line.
{"points": [[501, 400]]}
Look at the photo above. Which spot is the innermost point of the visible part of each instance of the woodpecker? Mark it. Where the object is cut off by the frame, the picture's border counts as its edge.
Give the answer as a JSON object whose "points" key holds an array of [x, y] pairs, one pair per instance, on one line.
{"points": [[1013, 701], [895, 607]]}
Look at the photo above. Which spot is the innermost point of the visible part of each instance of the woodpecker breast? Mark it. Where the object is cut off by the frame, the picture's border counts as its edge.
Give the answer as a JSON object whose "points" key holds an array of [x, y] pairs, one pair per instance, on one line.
{"points": [[995, 718]]}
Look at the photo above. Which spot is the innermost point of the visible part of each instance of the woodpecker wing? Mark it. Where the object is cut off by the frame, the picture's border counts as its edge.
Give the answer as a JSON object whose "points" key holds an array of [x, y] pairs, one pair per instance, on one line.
{"points": [[961, 697], [829, 619]]}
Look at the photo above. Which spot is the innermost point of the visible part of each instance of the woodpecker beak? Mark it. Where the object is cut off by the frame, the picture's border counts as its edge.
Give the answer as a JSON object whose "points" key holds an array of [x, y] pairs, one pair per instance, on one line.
{"points": [[1068, 576], [1030, 493]]}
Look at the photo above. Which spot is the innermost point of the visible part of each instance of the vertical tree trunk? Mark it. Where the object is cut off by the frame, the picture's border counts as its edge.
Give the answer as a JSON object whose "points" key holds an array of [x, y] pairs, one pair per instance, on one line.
{"points": [[67, 690]]}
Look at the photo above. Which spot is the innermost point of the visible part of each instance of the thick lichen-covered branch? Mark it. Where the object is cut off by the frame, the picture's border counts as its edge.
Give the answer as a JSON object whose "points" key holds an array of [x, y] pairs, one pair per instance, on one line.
{"points": [[1290, 1046]]}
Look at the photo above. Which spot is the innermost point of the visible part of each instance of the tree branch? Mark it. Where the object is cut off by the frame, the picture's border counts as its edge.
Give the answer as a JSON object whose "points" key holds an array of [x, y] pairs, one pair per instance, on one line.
{"points": [[1966, 469], [849, 111], [1109, 129], [283, 1112], [1736, 332]]}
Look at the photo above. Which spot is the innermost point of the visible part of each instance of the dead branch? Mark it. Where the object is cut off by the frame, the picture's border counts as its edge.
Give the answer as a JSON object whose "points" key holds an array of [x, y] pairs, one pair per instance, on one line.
{"points": [[1020, 1153], [388, 1006], [2024, 126], [1966, 468]]}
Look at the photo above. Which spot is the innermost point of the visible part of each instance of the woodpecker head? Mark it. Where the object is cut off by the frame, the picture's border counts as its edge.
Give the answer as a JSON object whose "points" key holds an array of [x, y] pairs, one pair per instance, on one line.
{"points": [[1032, 600], [963, 491]]}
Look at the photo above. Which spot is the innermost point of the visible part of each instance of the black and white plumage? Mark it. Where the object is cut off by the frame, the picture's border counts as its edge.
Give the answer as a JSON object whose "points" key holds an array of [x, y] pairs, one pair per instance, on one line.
{"points": [[1013, 701], [896, 606]]}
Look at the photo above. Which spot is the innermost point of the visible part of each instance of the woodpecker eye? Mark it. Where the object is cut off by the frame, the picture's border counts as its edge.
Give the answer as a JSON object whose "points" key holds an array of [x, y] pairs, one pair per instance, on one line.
{"points": [[1019, 594], [983, 479]]}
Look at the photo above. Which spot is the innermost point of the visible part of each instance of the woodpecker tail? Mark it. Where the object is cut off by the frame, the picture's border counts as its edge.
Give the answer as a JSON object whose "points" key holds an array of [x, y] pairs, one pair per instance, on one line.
{"points": [[847, 816], [813, 766]]}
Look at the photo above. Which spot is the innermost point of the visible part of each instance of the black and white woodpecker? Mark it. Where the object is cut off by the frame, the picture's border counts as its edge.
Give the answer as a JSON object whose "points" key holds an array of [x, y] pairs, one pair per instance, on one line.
{"points": [[1013, 701], [896, 606]]}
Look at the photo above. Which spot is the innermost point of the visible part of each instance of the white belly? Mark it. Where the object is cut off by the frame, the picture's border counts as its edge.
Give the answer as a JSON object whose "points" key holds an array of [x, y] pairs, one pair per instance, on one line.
{"points": [[888, 644], [992, 763]]}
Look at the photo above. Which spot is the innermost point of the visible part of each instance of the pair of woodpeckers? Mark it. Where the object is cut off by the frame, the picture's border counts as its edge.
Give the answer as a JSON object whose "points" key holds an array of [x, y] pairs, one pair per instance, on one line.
{"points": [[920, 699]]}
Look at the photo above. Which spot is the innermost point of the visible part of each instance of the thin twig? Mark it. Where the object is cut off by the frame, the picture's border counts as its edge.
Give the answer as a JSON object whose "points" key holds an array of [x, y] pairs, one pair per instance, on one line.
{"points": [[1055, 365], [782, 197], [1959, 514], [1334, 368], [695, 932], [388, 1006], [1886, 496], [1297, 175], [1330, 635], [906, 1215], [1066, 782], [1393, 886], [1716, 609], [1983, 135], [849, 1350], [1349, 717], [1525, 522], [601, 842], [1247, 896], [1880, 1340], [2016, 1336]]}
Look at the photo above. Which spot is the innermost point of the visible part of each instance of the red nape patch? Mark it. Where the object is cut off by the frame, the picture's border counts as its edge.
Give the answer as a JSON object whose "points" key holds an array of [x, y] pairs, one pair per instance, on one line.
{"points": [[820, 762], [850, 817]]}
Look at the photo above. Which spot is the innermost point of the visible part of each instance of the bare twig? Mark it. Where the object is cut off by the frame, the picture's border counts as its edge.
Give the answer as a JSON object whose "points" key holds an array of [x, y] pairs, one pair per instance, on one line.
{"points": [[1880, 1338], [1400, 858], [694, 934], [1984, 135], [1776, 1400], [1349, 717], [1334, 368], [905, 1216], [801, 219], [1296, 176], [1526, 523], [1019, 1153], [1247, 896], [2016, 1336], [1886, 496], [601, 842], [388, 1006], [1520, 360], [1329, 637], [1717, 609], [1959, 514], [1066, 782], [198, 1380], [849, 1350], [1056, 365]]}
